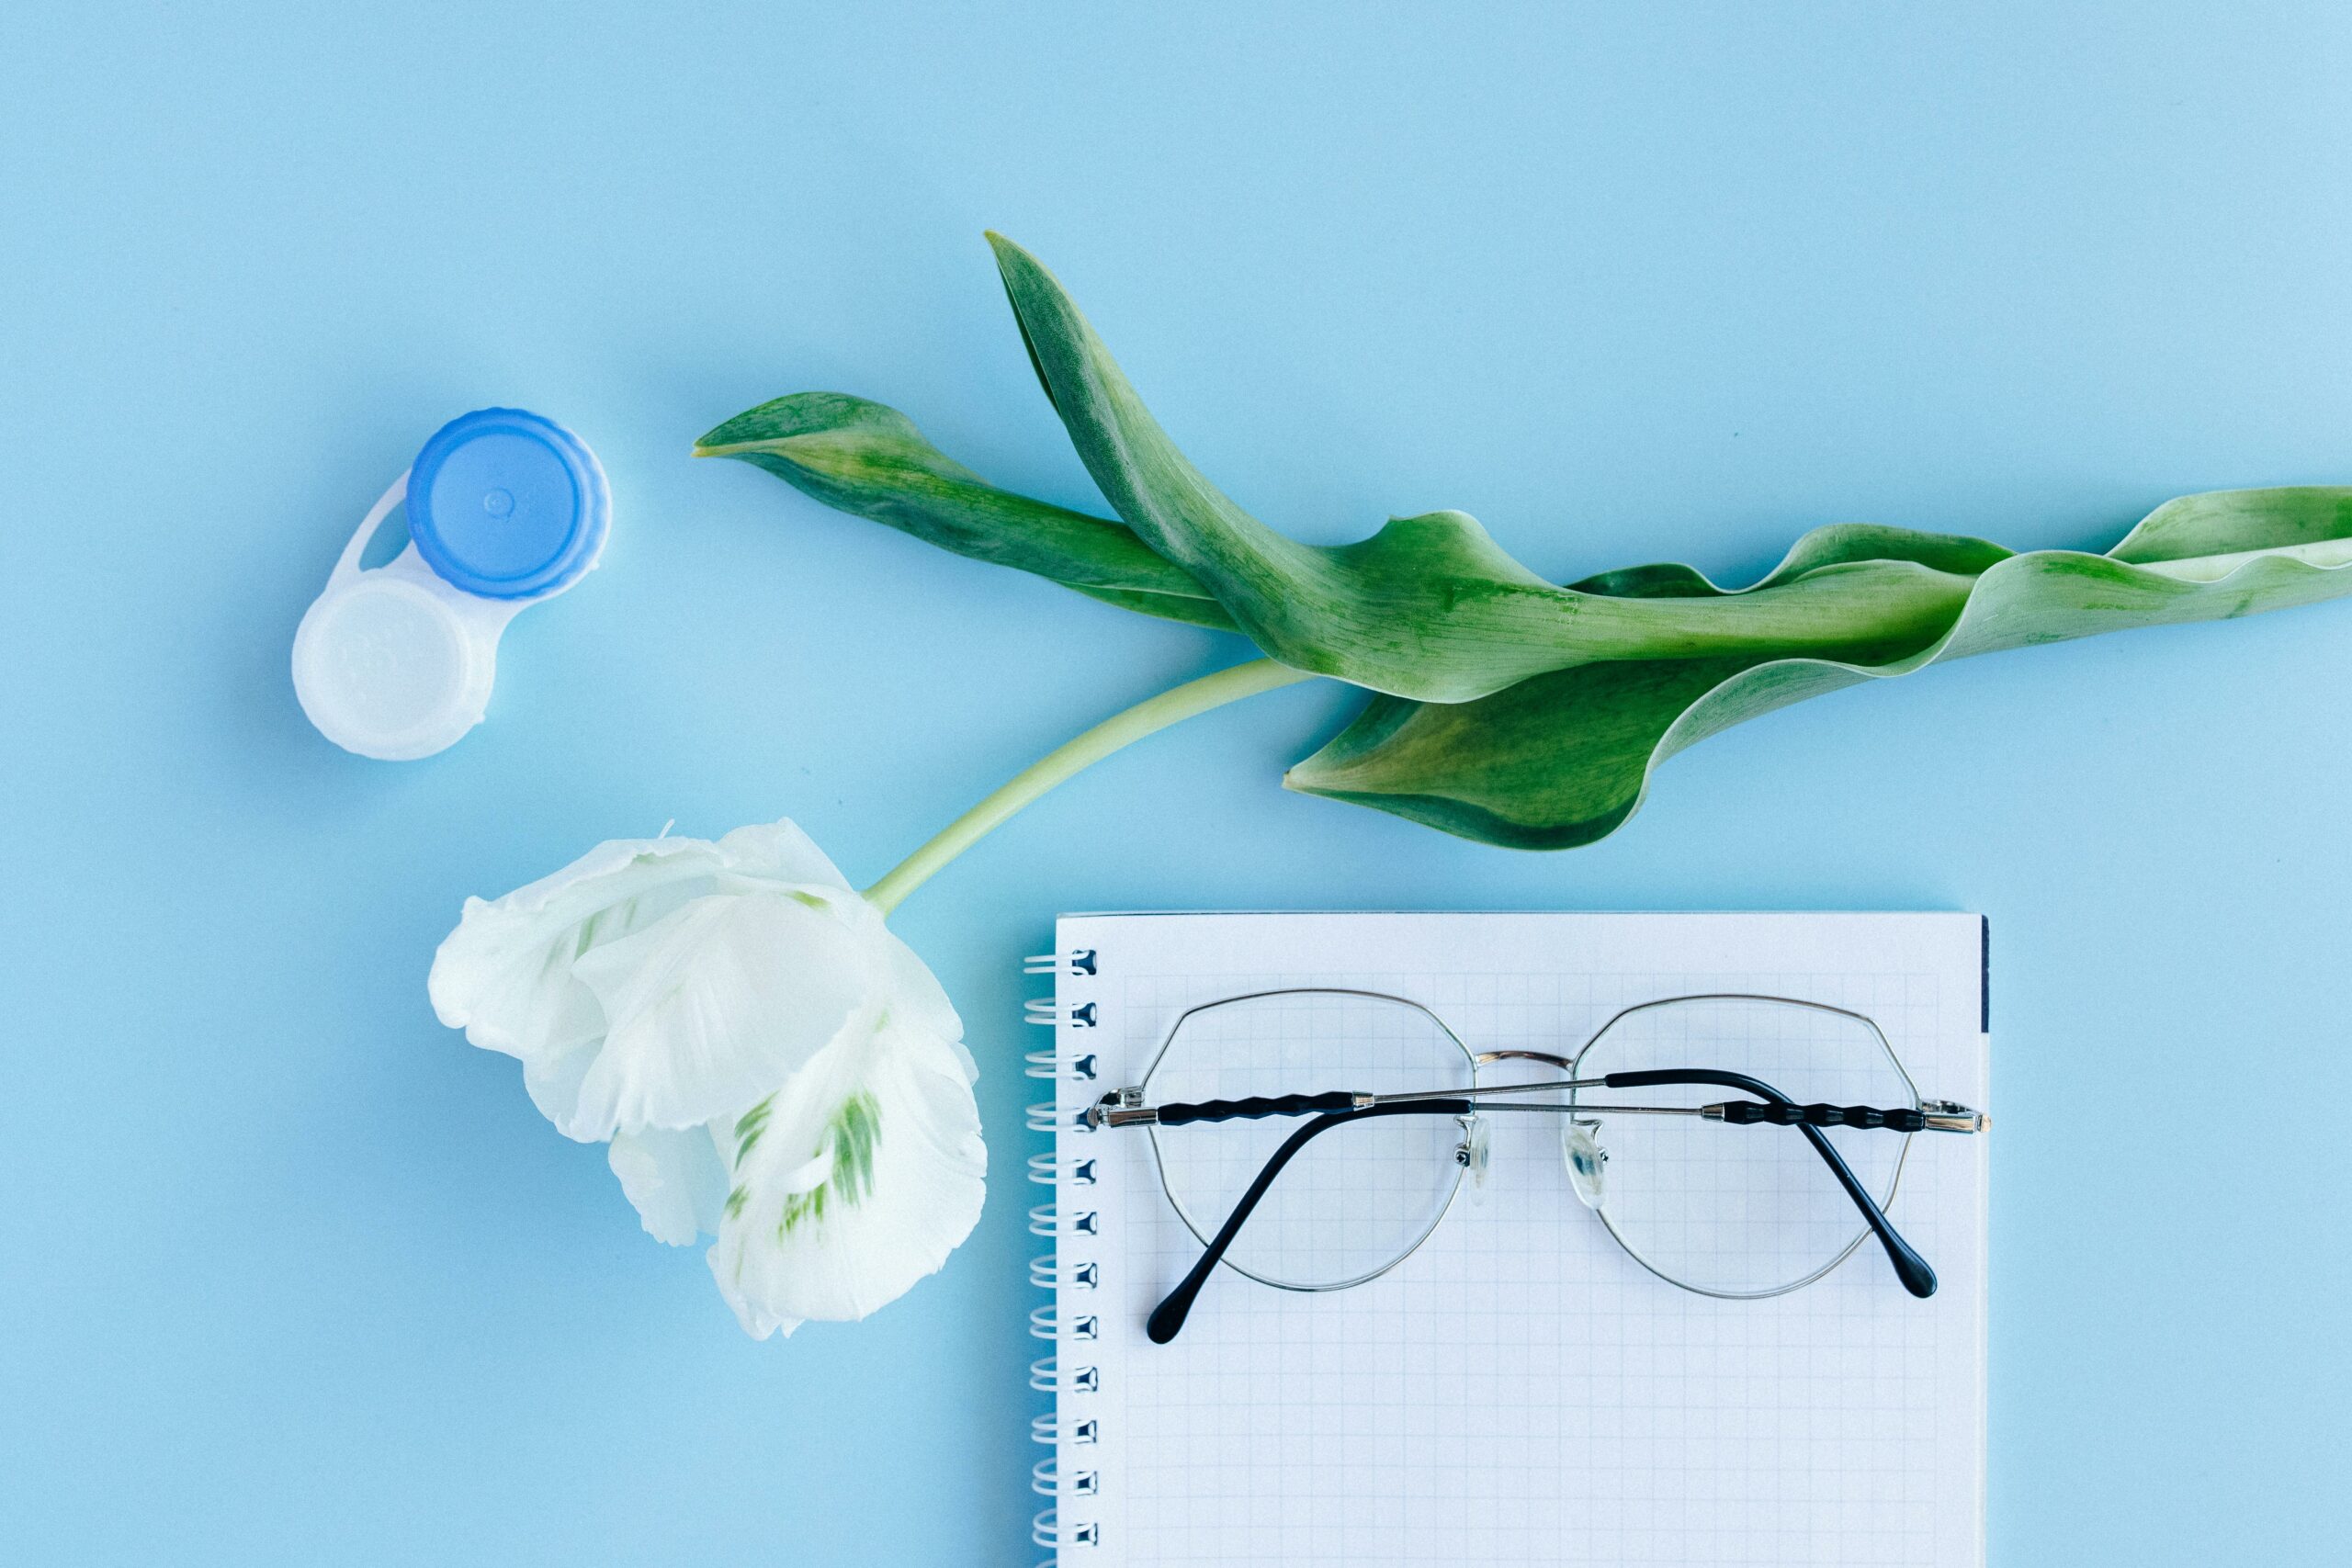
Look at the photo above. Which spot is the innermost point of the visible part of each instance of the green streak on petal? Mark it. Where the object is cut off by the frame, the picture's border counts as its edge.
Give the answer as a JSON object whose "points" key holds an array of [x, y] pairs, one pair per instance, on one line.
{"points": [[853, 1132], [857, 1127], [749, 1127]]}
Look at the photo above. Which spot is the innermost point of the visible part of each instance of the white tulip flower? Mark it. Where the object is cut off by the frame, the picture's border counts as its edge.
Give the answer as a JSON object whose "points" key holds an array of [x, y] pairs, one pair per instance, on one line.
{"points": [[768, 1061]]}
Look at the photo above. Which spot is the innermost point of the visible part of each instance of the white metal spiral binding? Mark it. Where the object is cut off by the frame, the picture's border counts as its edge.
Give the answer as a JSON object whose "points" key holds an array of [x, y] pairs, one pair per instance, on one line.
{"points": [[1047, 1323], [1047, 1376], [1054, 1064], [1048, 1429], [1045, 1221], [1047, 1531], [1048, 1117], [1062, 1170], [1078, 961], [1047, 1273], [1045, 1478], [1059, 1322]]}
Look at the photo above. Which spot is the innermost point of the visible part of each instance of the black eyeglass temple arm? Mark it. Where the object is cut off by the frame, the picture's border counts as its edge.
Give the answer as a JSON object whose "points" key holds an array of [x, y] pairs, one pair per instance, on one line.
{"points": [[1909, 1267], [1168, 1317]]}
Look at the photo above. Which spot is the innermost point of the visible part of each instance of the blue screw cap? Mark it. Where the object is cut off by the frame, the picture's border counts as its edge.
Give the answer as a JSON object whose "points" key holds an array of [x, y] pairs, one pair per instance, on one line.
{"points": [[508, 505]]}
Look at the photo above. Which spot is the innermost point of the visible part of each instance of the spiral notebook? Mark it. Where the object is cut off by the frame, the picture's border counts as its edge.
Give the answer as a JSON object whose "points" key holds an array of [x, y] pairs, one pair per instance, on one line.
{"points": [[1519, 1389]]}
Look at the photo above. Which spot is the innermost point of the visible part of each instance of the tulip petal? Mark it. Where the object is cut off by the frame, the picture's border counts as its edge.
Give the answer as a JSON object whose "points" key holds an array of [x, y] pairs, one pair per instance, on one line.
{"points": [[505, 975], [917, 1000], [677, 1179], [892, 1117], [779, 851], [712, 1007]]}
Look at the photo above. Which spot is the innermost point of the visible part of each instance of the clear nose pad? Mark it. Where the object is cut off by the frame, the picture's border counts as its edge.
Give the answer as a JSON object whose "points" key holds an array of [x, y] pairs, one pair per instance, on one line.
{"points": [[1588, 1162], [1471, 1153]]}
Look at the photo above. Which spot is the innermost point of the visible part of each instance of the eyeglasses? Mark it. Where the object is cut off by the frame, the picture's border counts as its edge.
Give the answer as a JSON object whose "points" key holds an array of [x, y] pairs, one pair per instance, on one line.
{"points": [[1305, 1186]]}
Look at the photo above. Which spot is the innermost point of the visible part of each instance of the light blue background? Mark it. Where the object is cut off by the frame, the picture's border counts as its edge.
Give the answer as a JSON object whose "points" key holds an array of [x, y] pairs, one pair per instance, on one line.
{"points": [[292, 1275]]}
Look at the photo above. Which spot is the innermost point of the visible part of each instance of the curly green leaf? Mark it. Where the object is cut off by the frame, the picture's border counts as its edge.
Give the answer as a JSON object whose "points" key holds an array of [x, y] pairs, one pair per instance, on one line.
{"points": [[1566, 758]]}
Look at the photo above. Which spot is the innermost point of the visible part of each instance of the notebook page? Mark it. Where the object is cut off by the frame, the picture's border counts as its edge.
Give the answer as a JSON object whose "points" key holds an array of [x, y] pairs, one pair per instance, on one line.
{"points": [[1521, 1391]]}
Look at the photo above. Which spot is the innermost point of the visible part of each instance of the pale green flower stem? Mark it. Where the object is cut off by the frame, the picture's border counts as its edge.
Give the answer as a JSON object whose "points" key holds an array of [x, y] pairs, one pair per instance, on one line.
{"points": [[1171, 706]]}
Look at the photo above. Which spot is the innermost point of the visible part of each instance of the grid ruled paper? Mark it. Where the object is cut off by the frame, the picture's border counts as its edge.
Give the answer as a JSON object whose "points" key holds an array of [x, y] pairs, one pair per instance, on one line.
{"points": [[1521, 1391]]}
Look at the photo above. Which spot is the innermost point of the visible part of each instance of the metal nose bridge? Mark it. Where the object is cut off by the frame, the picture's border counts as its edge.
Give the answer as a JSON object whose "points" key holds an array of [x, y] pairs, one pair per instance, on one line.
{"points": [[1486, 1058]]}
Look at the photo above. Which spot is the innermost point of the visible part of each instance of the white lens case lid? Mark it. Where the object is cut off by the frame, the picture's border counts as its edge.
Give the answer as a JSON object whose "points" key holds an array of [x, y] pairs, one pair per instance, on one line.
{"points": [[393, 662]]}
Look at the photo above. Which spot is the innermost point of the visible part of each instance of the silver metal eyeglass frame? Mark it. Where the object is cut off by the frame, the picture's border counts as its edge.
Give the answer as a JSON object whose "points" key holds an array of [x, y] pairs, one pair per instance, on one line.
{"points": [[1127, 1107]]}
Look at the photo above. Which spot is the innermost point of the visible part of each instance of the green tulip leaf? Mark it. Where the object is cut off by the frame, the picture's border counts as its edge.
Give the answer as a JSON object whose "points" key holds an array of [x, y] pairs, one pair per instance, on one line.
{"points": [[1506, 708], [1566, 758], [1430, 607], [868, 459]]}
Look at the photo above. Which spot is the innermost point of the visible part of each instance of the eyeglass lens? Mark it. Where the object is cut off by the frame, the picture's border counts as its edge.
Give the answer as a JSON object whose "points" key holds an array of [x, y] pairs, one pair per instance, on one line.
{"points": [[1355, 1200]]}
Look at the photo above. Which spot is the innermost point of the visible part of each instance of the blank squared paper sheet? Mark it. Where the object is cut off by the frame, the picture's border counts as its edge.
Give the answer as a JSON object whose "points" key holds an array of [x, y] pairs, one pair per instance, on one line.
{"points": [[1519, 1390]]}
